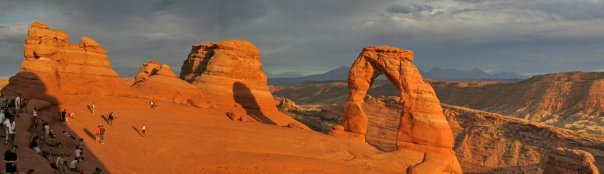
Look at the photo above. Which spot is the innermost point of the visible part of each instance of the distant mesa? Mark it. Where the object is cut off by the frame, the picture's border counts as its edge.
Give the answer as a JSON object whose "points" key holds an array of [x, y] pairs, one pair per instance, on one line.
{"points": [[422, 127]]}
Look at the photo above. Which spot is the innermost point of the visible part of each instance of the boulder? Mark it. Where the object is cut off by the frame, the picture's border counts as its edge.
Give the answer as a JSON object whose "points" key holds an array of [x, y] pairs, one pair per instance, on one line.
{"points": [[157, 82], [288, 105]]}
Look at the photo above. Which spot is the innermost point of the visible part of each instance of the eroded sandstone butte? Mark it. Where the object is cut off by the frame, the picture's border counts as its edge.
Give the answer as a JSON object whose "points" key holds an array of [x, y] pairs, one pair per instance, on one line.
{"points": [[230, 74], [54, 68], [422, 125]]}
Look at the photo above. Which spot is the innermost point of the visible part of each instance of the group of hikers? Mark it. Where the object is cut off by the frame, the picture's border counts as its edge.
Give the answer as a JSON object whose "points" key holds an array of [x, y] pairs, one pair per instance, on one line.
{"points": [[10, 110]]}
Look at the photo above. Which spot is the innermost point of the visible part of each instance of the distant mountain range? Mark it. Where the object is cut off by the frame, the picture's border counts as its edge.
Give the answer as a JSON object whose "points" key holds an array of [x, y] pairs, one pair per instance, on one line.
{"points": [[470, 75], [341, 73]]}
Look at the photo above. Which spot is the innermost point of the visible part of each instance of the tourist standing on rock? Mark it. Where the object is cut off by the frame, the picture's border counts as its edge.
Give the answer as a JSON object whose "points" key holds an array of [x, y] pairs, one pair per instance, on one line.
{"points": [[10, 127], [79, 153], [153, 104], [143, 129], [61, 164], [46, 130], [102, 134], [18, 103], [97, 133], [2, 119], [34, 117], [63, 115], [110, 118], [73, 165], [66, 119], [10, 159], [91, 108], [81, 143]]}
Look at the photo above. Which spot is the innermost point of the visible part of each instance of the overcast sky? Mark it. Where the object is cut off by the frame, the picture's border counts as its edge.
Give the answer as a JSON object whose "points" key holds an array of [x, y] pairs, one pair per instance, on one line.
{"points": [[313, 36]]}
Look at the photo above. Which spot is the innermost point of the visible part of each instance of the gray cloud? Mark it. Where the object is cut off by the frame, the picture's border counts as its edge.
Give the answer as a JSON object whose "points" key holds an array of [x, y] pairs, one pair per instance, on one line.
{"points": [[415, 8], [528, 37]]}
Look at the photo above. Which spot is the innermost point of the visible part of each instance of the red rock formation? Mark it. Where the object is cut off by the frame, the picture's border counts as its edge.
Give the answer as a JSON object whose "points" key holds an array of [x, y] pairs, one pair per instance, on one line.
{"points": [[231, 72], [153, 68], [570, 161], [494, 143], [572, 100], [53, 68], [422, 127], [287, 105], [158, 82]]}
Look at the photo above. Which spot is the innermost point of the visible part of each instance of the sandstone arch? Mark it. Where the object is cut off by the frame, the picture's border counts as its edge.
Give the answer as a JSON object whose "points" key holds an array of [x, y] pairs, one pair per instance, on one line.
{"points": [[422, 125], [422, 120]]}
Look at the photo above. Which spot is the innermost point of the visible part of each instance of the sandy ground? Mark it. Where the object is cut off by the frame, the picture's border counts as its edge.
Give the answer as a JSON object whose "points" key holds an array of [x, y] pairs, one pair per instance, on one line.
{"points": [[184, 139]]}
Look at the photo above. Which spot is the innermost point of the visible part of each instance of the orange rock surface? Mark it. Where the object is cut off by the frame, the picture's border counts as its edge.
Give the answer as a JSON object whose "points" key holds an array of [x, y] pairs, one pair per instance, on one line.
{"points": [[494, 143], [157, 82], [422, 126], [231, 72], [54, 66], [181, 138]]}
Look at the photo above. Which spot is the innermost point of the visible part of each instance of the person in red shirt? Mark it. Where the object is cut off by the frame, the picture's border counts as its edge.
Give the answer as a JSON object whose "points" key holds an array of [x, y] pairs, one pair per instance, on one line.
{"points": [[97, 133]]}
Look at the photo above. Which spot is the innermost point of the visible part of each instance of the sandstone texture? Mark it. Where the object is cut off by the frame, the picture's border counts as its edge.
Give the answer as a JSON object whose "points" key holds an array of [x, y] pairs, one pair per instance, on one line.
{"points": [[54, 68], [422, 125], [287, 105], [157, 82], [231, 74], [484, 142], [572, 100], [493, 143]]}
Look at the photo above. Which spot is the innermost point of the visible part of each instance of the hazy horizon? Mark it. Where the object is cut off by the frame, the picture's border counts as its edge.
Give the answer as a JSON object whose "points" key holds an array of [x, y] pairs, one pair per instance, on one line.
{"points": [[527, 38]]}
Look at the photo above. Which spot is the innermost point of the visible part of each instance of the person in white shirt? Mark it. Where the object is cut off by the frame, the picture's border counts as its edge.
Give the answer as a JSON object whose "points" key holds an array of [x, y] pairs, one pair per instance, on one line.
{"points": [[73, 165], [18, 103], [2, 117], [153, 104], [10, 127], [78, 154], [5, 123], [34, 118], [46, 131], [144, 129], [61, 163]]}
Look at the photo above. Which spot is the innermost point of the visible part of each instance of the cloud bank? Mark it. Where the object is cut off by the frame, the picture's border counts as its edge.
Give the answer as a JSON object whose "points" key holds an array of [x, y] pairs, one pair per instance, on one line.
{"points": [[528, 37]]}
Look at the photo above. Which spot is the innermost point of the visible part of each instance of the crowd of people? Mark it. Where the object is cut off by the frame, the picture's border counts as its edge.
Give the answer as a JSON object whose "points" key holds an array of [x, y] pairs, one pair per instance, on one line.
{"points": [[42, 135]]}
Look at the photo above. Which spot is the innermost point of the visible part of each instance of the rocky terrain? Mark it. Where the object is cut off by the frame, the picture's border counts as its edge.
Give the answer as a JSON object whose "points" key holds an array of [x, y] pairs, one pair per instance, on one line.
{"points": [[573, 100], [484, 142], [218, 116], [568, 100]]}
